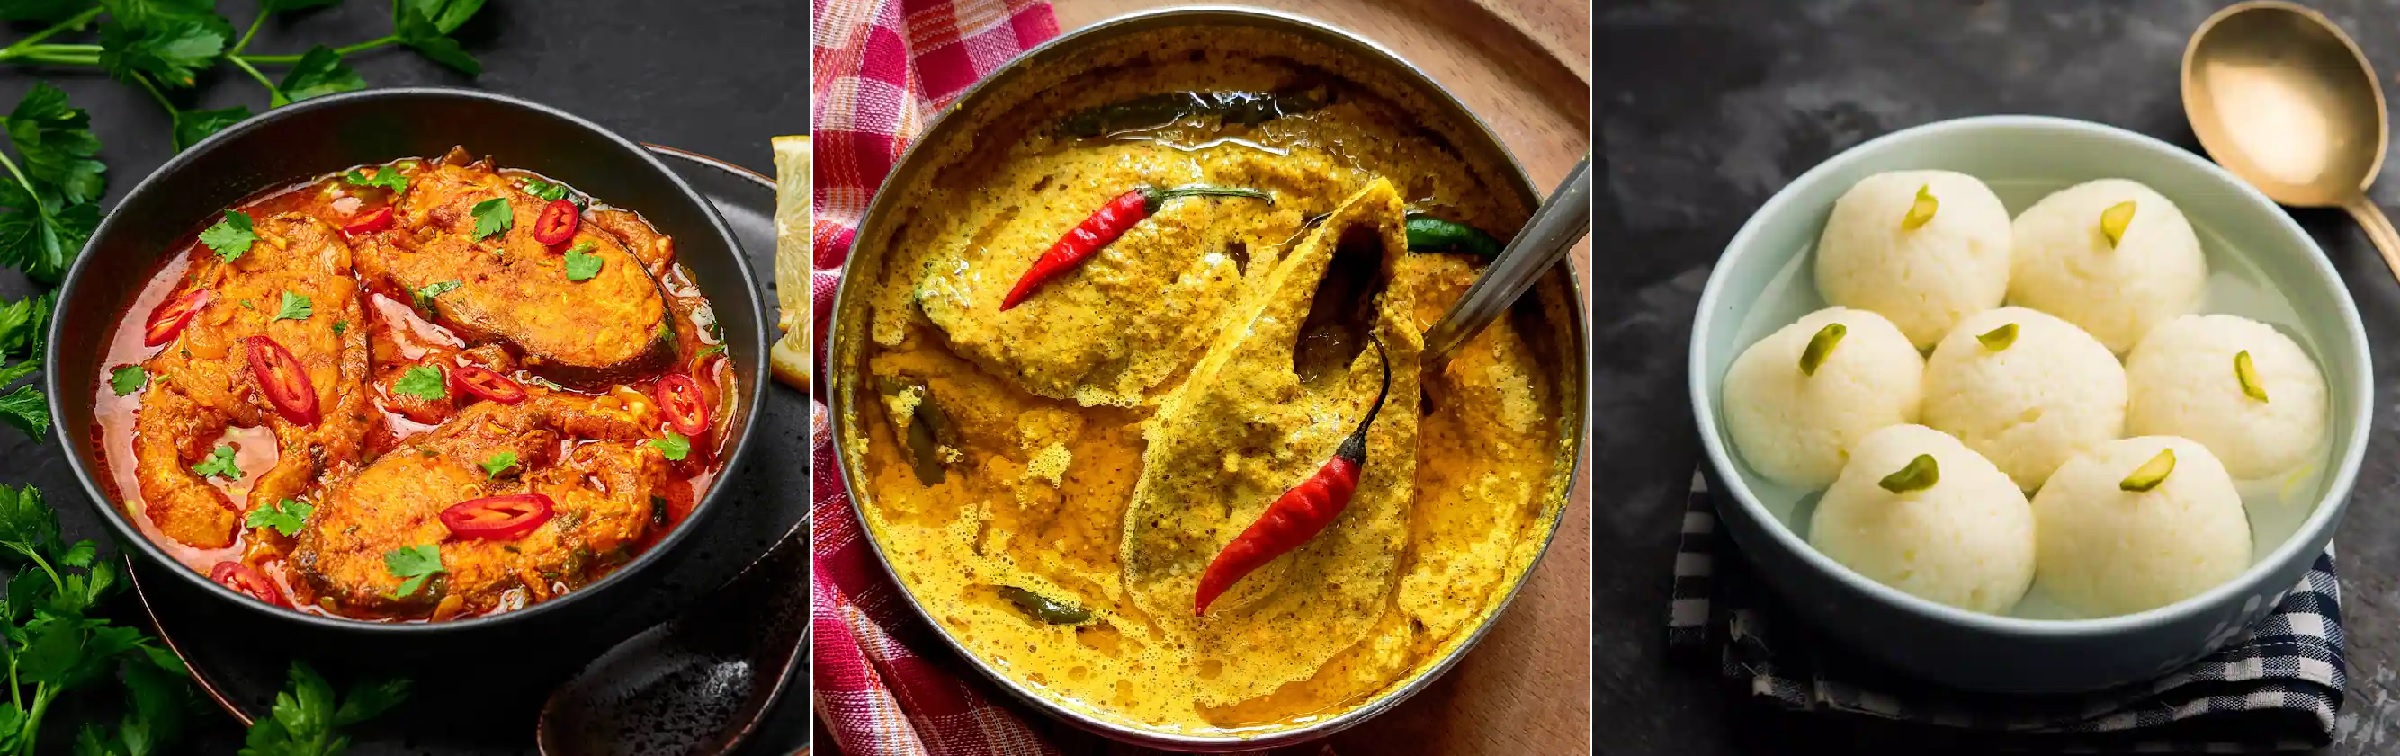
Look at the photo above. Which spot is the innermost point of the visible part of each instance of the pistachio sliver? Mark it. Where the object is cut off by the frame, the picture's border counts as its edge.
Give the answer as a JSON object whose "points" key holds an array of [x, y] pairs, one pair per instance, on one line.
{"points": [[1920, 474], [1820, 346], [2114, 221], [2248, 374], [2151, 473], [1921, 211], [1998, 339], [1048, 610]]}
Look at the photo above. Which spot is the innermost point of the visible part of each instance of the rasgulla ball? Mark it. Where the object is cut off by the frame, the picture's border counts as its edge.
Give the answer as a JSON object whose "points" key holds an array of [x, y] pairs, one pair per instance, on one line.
{"points": [[1923, 248], [2026, 390], [2129, 527], [1918, 511], [1798, 399], [2111, 256], [2237, 386]]}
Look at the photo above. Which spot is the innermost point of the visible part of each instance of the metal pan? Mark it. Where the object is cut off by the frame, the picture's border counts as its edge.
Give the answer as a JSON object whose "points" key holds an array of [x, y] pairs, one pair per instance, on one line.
{"points": [[1556, 300]]}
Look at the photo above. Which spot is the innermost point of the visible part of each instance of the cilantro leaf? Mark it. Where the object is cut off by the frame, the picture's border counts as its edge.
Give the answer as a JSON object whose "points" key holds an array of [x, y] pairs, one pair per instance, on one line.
{"points": [[21, 326], [26, 410], [415, 564], [320, 72], [425, 294], [548, 191], [219, 463], [28, 527], [492, 216], [168, 50], [155, 699], [385, 176], [231, 237], [499, 462], [127, 379], [423, 382], [427, 37], [57, 142], [674, 446], [284, 516], [581, 266], [295, 307], [303, 719], [445, 15], [191, 126], [45, 11], [339, 326]]}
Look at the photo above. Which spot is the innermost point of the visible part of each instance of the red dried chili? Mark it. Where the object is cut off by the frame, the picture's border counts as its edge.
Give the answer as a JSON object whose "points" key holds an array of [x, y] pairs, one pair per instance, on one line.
{"points": [[557, 223], [1300, 513], [370, 223], [1103, 227], [172, 315]]}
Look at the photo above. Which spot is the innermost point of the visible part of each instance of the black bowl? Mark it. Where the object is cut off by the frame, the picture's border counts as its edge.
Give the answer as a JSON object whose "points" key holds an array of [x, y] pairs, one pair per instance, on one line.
{"points": [[327, 134]]}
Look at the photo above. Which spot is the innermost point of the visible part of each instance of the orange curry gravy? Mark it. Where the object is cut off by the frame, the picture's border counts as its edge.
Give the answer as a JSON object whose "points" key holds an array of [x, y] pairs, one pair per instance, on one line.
{"points": [[401, 336]]}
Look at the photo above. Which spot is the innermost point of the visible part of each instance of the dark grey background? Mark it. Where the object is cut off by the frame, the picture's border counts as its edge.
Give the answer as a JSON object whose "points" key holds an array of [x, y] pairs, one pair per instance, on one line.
{"points": [[1708, 107], [717, 77]]}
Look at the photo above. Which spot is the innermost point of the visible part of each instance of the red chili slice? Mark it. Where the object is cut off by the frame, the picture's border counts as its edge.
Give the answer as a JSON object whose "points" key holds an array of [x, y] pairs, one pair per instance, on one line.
{"points": [[173, 314], [488, 385], [283, 380], [557, 224], [498, 518], [242, 579], [686, 409], [370, 223]]}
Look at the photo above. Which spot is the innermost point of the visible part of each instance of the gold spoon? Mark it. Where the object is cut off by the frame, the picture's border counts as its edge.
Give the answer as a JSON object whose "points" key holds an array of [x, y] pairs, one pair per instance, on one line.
{"points": [[2282, 98]]}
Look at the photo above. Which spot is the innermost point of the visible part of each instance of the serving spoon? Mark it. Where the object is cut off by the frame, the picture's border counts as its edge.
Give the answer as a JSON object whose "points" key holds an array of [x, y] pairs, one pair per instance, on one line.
{"points": [[1562, 220], [2283, 99]]}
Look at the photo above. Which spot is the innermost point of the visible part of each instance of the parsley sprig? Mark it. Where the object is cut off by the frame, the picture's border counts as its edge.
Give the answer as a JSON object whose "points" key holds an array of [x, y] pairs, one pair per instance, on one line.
{"points": [[304, 718], [161, 46], [22, 324], [53, 646]]}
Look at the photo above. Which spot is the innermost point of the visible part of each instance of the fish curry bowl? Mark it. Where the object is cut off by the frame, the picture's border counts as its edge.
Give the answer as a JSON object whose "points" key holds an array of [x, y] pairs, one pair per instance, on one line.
{"points": [[2065, 510], [1184, 478], [420, 364]]}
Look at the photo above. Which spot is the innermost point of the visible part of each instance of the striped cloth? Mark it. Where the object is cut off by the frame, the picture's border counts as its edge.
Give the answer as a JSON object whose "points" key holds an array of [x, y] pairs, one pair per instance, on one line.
{"points": [[2276, 689], [880, 70]]}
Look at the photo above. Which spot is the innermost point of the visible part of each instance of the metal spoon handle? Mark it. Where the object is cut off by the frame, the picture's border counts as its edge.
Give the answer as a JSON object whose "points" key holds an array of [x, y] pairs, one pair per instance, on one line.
{"points": [[2379, 230], [1562, 220]]}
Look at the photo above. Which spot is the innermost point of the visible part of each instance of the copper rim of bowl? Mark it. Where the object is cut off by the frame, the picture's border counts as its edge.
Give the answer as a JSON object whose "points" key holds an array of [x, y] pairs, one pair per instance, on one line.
{"points": [[848, 298], [167, 175]]}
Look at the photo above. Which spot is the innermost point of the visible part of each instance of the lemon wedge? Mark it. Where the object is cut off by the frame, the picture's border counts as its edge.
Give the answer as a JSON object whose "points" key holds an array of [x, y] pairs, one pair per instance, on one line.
{"points": [[791, 355]]}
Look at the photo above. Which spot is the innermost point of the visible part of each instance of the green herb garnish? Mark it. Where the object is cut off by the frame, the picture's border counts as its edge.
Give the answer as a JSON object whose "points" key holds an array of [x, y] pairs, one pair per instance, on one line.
{"points": [[303, 720], [425, 294], [548, 191], [582, 266], [284, 516], [220, 464], [674, 446], [499, 461], [423, 382], [492, 216], [231, 237], [415, 564], [385, 177], [126, 379], [295, 307]]}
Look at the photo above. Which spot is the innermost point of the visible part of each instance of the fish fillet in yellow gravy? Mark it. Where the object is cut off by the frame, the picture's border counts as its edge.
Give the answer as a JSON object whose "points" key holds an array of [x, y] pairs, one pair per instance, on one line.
{"points": [[1050, 480]]}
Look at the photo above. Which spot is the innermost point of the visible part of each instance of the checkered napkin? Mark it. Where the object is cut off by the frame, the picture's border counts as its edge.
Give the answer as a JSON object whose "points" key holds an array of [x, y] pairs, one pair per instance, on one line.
{"points": [[2276, 689], [880, 70]]}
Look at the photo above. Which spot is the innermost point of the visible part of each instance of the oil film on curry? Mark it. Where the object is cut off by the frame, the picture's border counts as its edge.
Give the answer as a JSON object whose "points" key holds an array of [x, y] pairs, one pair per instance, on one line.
{"points": [[1129, 386]]}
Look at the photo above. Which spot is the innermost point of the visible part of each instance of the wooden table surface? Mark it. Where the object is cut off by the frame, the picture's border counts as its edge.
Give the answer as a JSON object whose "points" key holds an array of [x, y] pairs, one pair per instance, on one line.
{"points": [[1524, 67]]}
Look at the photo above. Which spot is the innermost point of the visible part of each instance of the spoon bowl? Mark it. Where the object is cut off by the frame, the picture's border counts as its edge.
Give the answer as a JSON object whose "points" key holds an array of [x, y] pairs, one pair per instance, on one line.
{"points": [[2286, 101]]}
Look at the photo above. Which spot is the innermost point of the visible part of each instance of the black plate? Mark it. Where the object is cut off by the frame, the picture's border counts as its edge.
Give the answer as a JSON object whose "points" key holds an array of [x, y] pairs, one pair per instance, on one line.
{"points": [[240, 660]]}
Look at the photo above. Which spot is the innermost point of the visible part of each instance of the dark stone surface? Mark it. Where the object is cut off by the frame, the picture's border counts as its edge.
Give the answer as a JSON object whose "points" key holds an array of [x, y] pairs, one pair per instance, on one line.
{"points": [[1707, 108], [717, 78]]}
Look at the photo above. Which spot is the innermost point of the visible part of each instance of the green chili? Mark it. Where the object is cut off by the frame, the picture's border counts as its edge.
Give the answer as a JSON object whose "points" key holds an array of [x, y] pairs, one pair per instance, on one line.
{"points": [[1430, 234]]}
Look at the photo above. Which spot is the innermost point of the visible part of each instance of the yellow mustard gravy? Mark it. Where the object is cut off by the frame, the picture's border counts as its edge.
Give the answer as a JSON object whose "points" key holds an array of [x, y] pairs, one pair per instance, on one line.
{"points": [[1098, 443]]}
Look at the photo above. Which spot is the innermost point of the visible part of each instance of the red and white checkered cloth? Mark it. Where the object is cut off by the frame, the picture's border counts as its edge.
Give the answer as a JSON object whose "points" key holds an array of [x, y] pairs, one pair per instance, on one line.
{"points": [[880, 70]]}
